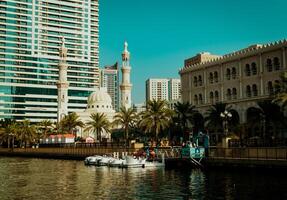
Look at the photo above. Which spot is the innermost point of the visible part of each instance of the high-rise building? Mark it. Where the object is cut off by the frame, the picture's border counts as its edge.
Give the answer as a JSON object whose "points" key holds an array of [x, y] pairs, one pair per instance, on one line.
{"points": [[30, 38], [163, 89], [110, 80]]}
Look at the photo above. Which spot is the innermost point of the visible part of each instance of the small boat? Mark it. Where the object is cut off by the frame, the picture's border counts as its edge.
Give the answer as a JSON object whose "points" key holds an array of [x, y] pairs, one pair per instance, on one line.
{"points": [[155, 163], [92, 160], [116, 162], [105, 160], [133, 162]]}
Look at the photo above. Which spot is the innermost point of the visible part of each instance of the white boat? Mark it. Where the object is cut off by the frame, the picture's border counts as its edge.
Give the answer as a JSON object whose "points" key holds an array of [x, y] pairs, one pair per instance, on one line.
{"points": [[133, 162], [105, 160], [93, 160], [116, 162]]}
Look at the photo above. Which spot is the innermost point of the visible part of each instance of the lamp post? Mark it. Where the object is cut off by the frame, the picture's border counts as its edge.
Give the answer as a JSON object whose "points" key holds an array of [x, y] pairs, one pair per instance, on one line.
{"points": [[226, 115]]}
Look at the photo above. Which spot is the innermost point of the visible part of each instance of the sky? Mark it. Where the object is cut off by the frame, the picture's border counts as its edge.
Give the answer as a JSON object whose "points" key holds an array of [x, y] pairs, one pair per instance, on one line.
{"points": [[162, 33]]}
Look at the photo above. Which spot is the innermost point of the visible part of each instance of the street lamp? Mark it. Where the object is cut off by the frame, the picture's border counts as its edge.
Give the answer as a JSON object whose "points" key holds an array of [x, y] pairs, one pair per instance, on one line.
{"points": [[226, 115]]}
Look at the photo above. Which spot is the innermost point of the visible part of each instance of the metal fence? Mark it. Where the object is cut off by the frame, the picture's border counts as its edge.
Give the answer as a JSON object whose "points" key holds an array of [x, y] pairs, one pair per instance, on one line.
{"points": [[262, 153]]}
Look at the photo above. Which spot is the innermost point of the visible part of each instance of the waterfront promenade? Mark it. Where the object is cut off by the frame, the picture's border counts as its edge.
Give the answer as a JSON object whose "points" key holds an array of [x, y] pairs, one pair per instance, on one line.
{"points": [[218, 157]]}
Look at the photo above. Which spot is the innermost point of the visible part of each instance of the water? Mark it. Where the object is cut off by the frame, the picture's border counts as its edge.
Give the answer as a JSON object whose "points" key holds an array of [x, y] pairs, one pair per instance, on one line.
{"points": [[40, 179]]}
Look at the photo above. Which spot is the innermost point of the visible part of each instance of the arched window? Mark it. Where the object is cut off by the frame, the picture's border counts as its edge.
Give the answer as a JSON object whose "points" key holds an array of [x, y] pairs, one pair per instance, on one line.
{"points": [[228, 94], [211, 97], [200, 80], [277, 87], [269, 65], [234, 93], [200, 99], [210, 77], [247, 70], [215, 77], [276, 63], [228, 73], [254, 68], [195, 100], [233, 73], [216, 96], [254, 90], [248, 91], [270, 88], [195, 81]]}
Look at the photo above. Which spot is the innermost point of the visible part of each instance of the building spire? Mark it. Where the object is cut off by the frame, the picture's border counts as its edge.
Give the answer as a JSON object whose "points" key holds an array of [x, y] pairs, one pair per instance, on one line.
{"points": [[63, 50]]}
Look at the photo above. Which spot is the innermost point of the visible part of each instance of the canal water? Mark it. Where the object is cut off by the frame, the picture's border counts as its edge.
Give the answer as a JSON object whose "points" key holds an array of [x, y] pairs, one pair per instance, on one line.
{"points": [[40, 179]]}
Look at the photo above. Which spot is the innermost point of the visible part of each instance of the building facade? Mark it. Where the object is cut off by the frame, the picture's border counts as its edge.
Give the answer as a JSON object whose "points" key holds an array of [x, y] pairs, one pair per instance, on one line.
{"points": [[110, 80], [30, 38], [239, 79], [163, 89]]}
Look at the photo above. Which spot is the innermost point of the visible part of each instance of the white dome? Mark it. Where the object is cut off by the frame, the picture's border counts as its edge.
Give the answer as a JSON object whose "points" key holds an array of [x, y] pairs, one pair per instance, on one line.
{"points": [[100, 101], [99, 96]]}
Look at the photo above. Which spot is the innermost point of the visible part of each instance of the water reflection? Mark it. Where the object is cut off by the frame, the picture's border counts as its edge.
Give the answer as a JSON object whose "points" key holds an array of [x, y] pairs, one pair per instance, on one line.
{"points": [[56, 179]]}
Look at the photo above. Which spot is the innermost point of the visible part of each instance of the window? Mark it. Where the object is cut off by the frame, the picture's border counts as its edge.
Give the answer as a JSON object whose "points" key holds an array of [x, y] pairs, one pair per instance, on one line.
{"points": [[270, 88], [254, 68], [216, 95], [269, 65], [228, 94], [195, 100], [215, 77], [200, 99], [247, 70], [210, 78], [254, 90], [248, 91], [276, 63], [233, 73], [195, 81], [234, 93], [211, 97], [200, 80], [228, 74]]}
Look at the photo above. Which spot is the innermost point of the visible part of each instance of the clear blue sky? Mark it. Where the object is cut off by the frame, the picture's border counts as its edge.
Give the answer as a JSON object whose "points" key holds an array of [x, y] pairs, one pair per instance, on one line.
{"points": [[162, 33]]}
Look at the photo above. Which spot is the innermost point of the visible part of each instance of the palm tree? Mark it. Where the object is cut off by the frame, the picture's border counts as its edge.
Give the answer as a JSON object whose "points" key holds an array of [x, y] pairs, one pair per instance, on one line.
{"points": [[267, 114], [125, 118], [27, 132], [70, 122], [98, 124], [12, 130], [184, 115], [213, 119], [46, 127], [281, 96], [156, 118]]}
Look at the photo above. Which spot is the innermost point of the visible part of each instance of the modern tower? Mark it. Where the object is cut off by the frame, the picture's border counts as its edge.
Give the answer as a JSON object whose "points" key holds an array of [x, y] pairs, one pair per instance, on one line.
{"points": [[126, 86], [110, 80], [163, 89], [62, 84], [30, 37]]}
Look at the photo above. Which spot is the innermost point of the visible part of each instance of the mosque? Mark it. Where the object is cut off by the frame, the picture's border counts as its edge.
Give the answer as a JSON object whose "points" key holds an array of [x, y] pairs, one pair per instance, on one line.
{"points": [[99, 101]]}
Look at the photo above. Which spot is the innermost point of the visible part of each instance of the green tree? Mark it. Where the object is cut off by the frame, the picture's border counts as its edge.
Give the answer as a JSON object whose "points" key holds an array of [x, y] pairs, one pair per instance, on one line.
{"points": [[98, 124], [281, 94], [267, 114], [70, 122], [184, 115], [46, 128], [26, 133], [156, 118], [125, 118]]}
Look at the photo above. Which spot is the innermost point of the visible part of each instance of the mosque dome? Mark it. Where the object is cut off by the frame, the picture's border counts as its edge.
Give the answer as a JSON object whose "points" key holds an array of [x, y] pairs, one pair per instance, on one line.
{"points": [[100, 101]]}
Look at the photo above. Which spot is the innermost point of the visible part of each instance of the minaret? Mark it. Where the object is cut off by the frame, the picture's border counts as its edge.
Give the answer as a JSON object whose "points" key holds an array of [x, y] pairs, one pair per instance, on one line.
{"points": [[126, 86], [62, 83]]}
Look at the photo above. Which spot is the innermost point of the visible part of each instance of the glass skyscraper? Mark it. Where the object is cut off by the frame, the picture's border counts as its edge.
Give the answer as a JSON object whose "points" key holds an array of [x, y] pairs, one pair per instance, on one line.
{"points": [[30, 37]]}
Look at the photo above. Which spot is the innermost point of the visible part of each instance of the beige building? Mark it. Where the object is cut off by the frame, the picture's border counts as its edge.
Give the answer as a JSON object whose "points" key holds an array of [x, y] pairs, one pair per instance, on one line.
{"points": [[239, 78]]}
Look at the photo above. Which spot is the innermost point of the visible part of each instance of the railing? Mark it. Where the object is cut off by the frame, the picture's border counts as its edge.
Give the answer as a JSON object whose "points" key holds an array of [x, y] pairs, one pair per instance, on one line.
{"points": [[258, 153]]}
